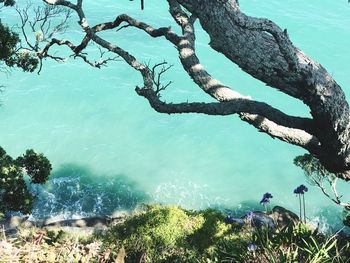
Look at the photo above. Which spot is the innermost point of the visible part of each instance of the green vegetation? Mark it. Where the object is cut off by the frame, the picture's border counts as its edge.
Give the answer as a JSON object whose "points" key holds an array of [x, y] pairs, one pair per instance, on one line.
{"points": [[14, 193], [7, 2], [171, 234], [298, 243], [10, 53], [37, 166]]}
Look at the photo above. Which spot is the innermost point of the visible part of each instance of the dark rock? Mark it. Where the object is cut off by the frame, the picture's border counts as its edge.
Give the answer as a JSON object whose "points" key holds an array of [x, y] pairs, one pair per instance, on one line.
{"points": [[260, 219], [231, 220], [255, 219], [283, 217], [343, 237], [11, 225], [85, 222], [346, 221]]}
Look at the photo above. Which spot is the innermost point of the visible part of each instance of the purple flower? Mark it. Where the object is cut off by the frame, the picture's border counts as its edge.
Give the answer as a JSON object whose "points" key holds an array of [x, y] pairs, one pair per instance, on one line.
{"points": [[301, 189], [252, 247], [296, 190], [266, 198]]}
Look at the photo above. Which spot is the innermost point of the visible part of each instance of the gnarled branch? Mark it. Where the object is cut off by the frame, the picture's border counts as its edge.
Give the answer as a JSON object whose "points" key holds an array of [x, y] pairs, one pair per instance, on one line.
{"points": [[260, 48]]}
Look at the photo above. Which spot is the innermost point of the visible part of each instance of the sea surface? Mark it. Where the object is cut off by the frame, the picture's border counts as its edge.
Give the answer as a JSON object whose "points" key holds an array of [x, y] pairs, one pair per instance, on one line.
{"points": [[111, 152]]}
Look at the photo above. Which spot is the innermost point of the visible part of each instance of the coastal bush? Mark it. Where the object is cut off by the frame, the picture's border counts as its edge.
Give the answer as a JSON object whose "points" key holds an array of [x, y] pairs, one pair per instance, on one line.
{"points": [[296, 243], [157, 234], [172, 234], [11, 53], [37, 166], [14, 192], [7, 2]]}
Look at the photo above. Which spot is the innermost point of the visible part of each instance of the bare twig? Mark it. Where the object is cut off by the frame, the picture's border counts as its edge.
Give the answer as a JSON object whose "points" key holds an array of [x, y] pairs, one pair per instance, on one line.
{"points": [[158, 75], [40, 21], [333, 186]]}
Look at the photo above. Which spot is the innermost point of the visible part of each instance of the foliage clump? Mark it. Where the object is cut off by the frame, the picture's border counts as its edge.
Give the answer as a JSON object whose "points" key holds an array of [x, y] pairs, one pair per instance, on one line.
{"points": [[8, 42], [10, 52], [297, 243], [14, 192], [7, 2], [37, 166], [169, 234]]}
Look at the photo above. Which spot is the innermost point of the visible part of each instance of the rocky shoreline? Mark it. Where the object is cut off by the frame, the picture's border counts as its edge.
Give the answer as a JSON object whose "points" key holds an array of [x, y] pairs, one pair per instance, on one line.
{"points": [[279, 217], [166, 232], [11, 225]]}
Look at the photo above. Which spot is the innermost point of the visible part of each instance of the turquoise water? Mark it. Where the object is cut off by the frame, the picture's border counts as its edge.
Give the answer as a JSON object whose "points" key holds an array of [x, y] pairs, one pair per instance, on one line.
{"points": [[110, 151]]}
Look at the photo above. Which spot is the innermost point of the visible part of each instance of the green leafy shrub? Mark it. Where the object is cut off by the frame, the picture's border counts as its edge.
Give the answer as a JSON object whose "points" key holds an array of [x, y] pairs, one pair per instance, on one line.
{"points": [[10, 53], [159, 233], [23, 59], [7, 2], [8, 42], [297, 244], [37, 166], [14, 193], [172, 234]]}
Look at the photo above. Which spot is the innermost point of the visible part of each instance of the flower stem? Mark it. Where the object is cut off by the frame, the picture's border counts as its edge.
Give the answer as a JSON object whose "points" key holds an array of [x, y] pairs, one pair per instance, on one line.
{"points": [[300, 218], [304, 209]]}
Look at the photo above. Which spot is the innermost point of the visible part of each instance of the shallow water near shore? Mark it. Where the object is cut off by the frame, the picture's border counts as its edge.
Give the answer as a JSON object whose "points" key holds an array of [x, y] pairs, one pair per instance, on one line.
{"points": [[110, 151]]}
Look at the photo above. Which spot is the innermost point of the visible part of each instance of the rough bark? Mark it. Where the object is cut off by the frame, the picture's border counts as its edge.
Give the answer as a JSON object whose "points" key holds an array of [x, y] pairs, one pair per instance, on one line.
{"points": [[260, 48]]}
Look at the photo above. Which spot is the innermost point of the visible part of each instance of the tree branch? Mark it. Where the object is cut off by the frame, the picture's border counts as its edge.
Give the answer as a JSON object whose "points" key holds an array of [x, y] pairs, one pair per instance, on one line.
{"points": [[261, 49], [294, 136], [185, 45], [336, 199], [191, 63]]}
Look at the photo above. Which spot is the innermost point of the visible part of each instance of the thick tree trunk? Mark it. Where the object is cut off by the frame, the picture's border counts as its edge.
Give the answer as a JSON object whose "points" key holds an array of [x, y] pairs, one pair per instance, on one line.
{"points": [[249, 43]]}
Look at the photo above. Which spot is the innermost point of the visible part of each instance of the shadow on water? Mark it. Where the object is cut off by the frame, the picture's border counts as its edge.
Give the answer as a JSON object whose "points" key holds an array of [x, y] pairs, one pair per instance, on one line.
{"points": [[75, 190]]}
